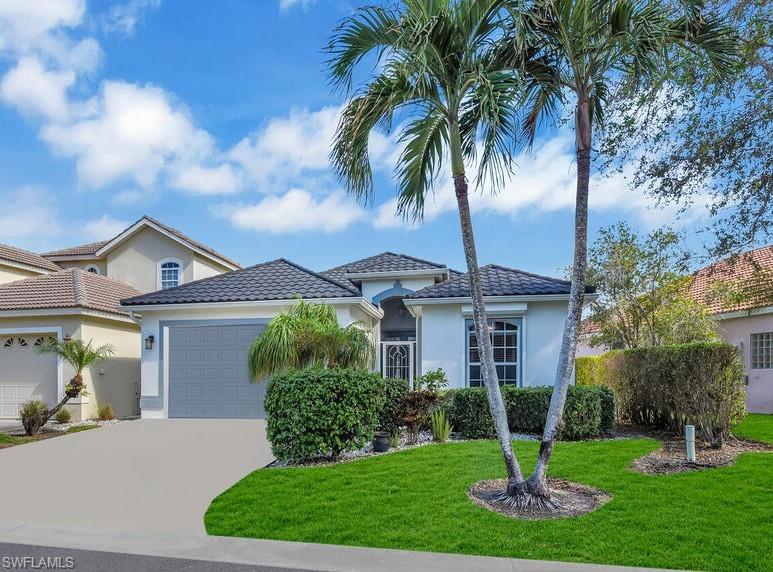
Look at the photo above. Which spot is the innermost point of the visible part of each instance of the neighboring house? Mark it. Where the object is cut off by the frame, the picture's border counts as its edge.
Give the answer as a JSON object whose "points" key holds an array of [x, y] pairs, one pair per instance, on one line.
{"points": [[745, 320], [196, 336], [75, 293]]}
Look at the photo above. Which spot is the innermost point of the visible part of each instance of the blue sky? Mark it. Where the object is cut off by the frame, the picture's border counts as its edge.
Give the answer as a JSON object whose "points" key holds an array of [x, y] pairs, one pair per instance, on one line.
{"points": [[216, 117]]}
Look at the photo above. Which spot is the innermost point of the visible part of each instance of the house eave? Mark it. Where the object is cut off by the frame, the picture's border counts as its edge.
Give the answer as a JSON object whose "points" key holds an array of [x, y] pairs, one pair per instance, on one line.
{"points": [[744, 313], [490, 299], [66, 312], [26, 267], [67, 257], [435, 272]]}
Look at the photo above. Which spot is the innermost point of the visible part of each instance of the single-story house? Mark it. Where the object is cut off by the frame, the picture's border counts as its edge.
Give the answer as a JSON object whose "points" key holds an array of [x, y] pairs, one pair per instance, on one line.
{"points": [[196, 336], [739, 295], [75, 293]]}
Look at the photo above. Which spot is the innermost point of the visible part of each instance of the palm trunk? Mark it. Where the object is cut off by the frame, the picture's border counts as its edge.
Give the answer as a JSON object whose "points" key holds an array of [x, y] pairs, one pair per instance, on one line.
{"points": [[516, 482], [32, 426], [537, 483]]}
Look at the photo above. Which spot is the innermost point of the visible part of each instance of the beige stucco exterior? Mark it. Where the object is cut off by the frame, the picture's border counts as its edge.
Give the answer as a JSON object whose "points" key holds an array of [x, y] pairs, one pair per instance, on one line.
{"points": [[101, 265], [118, 382], [12, 273]]}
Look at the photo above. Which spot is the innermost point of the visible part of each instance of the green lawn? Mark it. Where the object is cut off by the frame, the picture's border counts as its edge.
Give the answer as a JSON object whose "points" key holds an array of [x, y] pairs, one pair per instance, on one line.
{"points": [[710, 520], [756, 427], [7, 440]]}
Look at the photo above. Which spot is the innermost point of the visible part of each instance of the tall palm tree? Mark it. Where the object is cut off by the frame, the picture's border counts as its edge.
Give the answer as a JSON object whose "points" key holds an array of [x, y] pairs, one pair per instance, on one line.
{"points": [[308, 335], [436, 70], [589, 44], [79, 355]]}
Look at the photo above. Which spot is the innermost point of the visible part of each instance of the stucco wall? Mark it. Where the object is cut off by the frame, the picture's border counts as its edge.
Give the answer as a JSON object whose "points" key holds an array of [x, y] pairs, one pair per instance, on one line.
{"points": [[737, 331], [443, 344], [154, 385], [84, 264], [204, 268], [135, 262], [11, 273]]}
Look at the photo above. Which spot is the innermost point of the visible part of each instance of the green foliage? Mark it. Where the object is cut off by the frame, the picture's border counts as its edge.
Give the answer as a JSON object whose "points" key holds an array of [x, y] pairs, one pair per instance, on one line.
{"points": [[417, 407], [391, 416], [83, 427], [105, 412], [77, 353], [434, 381], [589, 411], [63, 415], [318, 412], [33, 416], [441, 427], [308, 335], [756, 427], [669, 387], [643, 291]]}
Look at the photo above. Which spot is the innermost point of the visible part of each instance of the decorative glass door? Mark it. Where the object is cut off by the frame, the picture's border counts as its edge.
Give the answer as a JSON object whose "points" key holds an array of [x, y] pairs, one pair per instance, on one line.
{"points": [[398, 360]]}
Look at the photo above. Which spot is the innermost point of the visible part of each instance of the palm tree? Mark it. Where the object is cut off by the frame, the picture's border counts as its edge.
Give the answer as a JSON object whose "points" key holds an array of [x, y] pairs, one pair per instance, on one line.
{"points": [[308, 335], [79, 355], [437, 68], [588, 44]]}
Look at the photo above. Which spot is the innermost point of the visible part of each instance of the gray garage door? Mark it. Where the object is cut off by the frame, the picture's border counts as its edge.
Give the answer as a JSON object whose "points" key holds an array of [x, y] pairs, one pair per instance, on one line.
{"points": [[208, 372]]}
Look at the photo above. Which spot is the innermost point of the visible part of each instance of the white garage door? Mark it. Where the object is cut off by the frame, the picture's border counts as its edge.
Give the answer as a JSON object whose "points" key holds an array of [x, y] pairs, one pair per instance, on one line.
{"points": [[208, 374], [24, 374]]}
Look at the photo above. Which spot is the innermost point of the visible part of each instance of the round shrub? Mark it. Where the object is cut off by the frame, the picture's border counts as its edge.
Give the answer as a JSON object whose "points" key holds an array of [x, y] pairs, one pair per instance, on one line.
{"points": [[391, 417], [33, 416], [315, 412]]}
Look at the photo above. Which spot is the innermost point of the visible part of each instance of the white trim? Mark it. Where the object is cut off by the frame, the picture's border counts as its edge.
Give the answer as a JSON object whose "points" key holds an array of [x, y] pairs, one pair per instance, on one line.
{"points": [[514, 309], [362, 303], [27, 267], [95, 267], [65, 257], [744, 313], [136, 227], [442, 272], [59, 362], [65, 312], [490, 299], [168, 260]]}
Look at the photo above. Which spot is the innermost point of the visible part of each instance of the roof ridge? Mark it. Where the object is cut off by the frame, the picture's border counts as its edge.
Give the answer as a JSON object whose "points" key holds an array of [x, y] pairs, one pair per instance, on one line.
{"points": [[78, 288], [351, 289], [551, 278], [41, 265]]}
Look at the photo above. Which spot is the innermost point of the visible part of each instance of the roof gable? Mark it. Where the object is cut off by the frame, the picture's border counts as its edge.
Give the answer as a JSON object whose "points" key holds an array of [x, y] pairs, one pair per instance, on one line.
{"points": [[383, 262], [72, 288], [278, 279], [26, 258], [101, 248], [498, 281]]}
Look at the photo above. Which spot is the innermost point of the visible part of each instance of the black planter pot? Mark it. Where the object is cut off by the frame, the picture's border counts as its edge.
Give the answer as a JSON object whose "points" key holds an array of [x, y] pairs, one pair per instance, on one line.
{"points": [[381, 441]]}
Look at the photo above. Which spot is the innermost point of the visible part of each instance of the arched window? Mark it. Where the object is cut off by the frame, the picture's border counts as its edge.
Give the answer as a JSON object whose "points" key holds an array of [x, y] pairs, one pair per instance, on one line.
{"points": [[169, 273], [93, 269]]}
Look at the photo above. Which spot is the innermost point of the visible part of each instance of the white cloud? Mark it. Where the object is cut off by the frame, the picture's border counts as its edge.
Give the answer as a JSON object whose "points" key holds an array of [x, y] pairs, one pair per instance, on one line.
{"points": [[206, 180], [24, 23], [295, 211], [103, 228], [123, 18], [36, 91], [28, 213], [287, 4], [132, 133], [128, 197]]}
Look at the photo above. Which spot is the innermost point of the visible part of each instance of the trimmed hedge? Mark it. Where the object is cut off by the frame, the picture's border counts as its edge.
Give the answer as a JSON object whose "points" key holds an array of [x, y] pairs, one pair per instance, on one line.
{"points": [[391, 416], [668, 387], [317, 412], [589, 411]]}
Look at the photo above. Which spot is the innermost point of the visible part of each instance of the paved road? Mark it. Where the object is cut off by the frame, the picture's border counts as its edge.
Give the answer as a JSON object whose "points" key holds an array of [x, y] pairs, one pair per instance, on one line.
{"points": [[145, 475], [16, 556]]}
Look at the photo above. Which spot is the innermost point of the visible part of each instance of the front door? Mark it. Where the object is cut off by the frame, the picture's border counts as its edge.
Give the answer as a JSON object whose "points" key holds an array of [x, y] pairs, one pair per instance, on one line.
{"points": [[398, 360]]}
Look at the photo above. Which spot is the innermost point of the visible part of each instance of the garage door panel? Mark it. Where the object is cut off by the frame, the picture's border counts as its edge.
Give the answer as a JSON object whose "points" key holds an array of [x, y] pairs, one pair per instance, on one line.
{"points": [[25, 374], [208, 375]]}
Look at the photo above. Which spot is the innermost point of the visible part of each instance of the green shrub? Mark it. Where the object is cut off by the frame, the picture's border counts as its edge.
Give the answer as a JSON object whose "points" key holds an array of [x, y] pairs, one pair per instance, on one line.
{"points": [[434, 381], [589, 411], [105, 412], [416, 409], [33, 416], [63, 415], [668, 387], [391, 416], [316, 412], [441, 428]]}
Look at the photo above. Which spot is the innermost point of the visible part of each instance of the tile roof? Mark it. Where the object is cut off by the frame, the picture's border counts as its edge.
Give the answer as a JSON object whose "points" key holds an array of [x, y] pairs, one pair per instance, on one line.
{"points": [[749, 276], [497, 281], [72, 288], [26, 257], [384, 262], [275, 280], [93, 247]]}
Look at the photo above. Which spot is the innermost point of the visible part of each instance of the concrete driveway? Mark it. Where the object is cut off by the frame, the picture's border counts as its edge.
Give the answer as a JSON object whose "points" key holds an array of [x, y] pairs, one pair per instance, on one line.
{"points": [[148, 475]]}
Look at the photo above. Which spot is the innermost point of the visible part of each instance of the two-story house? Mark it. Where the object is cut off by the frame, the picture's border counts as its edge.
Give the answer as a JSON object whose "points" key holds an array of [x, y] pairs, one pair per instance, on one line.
{"points": [[75, 293]]}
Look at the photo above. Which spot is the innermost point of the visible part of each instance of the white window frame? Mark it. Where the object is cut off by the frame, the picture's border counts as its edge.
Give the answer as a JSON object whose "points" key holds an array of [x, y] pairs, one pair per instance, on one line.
{"points": [[519, 349], [163, 261], [94, 269]]}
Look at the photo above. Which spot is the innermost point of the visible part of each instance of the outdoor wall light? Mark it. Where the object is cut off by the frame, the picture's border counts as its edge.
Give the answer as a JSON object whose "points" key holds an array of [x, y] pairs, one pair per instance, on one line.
{"points": [[149, 342]]}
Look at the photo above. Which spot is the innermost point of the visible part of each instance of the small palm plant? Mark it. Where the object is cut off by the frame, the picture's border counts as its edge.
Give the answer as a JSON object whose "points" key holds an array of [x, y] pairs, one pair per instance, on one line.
{"points": [[307, 335], [79, 355]]}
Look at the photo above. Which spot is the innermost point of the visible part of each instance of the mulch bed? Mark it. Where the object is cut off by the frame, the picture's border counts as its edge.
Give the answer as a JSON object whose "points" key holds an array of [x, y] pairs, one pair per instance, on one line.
{"points": [[671, 458], [573, 499]]}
